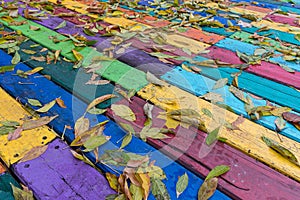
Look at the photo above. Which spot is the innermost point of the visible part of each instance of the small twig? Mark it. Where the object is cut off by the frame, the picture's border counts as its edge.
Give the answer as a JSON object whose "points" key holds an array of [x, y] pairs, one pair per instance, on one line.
{"points": [[28, 83]]}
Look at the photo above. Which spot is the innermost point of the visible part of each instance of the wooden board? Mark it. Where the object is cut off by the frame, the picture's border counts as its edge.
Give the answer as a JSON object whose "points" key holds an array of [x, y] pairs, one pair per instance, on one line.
{"points": [[6, 192], [12, 151], [57, 174]]}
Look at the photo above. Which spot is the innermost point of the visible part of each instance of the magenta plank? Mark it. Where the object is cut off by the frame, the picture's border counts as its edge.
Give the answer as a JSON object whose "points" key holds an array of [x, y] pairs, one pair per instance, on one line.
{"points": [[247, 179], [283, 19], [56, 174], [265, 69]]}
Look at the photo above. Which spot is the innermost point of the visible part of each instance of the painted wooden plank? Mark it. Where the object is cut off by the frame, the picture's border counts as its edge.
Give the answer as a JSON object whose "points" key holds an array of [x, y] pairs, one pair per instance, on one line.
{"points": [[6, 192], [12, 151], [200, 85], [69, 178], [243, 47], [248, 139], [276, 26], [245, 171], [265, 69], [242, 10], [139, 79], [75, 109], [283, 19]]}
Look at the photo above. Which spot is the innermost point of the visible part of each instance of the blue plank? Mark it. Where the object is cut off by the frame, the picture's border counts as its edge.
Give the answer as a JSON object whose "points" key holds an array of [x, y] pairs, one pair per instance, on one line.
{"points": [[247, 48], [199, 85], [75, 108]]}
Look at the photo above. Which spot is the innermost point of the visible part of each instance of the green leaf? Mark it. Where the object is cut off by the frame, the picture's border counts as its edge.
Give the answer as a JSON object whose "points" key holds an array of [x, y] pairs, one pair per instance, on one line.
{"points": [[61, 25], [7, 68], [159, 189], [281, 150], [154, 133], [182, 184], [88, 32], [212, 136], [28, 51], [10, 123], [21, 194], [34, 102], [127, 139], [137, 192], [220, 83], [124, 112], [207, 112], [217, 171], [16, 59], [6, 130], [97, 111], [8, 45], [95, 141], [127, 127], [46, 107]]}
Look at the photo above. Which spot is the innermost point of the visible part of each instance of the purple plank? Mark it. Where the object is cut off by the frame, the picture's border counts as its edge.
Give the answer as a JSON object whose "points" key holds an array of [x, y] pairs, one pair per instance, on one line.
{"points": [[56, 174]]}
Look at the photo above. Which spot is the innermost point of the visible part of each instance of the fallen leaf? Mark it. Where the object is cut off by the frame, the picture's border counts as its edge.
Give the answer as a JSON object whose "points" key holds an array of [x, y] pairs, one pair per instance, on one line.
{"points": [[238, 93], [39, 58], [278, 111], [213, 97], [60, 102], [46, 107], [28, 51], [97, 82], [31, 124], [153, 79], [159, 189], [34, 153], [144, 180], [182, 184], [281, 150], [21, 194], [212, 136], [148, 112], [94, 142], [97, 111], [112, 180], [207, 189], [237, 122], [297, 37], [15, 134], [280, 123], [217, 171], [33, 71], [61, 25], [99, 100], [127, 139], [291, 117], [34, 102], [184, 112], [56, 55], [154, 133], [34, 28], [124, 112], [136, 191], [81, 125], [16, 59], [7, 68], [220, 83], [207, 112], [77, 55]]}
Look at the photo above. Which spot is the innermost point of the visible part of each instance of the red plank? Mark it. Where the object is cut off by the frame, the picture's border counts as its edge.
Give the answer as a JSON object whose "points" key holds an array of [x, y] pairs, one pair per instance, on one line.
{"points": [[265, 69], [247, 179]]}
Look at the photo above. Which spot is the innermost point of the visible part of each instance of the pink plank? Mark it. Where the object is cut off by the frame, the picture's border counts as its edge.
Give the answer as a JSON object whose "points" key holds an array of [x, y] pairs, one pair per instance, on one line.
{"points": [[247, 179], [265, 69], [283, 19]]}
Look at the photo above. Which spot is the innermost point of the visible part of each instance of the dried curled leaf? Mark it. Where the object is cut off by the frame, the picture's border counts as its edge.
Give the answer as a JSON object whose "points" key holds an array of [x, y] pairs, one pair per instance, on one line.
{"points": [[31, 124], [281, 150], [100, 100], [220, 83]]}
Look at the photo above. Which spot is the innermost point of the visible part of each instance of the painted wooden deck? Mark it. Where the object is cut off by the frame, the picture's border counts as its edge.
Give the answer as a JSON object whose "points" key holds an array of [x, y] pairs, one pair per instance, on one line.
{"points": [[253, 47]]}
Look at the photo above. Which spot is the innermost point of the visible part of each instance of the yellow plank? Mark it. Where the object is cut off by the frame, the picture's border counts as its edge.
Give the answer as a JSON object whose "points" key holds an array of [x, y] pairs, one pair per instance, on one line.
{"points": [[174, 40], [239, 10], [13, 151], [277, 26], [248, 139]]}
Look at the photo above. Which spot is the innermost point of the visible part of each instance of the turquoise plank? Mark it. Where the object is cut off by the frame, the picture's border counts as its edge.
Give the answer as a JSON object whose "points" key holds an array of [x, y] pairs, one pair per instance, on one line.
{"points": [[247, 48], [199, 85], [6, 192]]}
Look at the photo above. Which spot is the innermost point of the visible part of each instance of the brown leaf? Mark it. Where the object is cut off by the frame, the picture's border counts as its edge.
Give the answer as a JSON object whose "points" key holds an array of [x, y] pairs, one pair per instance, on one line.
{"points": [[60, 102], [31, 124], [207, 189], [291, 117], [144, 179], [56, 55], [39, 58], [34, 153], [130, 173], [237, 122], [97, 82]]}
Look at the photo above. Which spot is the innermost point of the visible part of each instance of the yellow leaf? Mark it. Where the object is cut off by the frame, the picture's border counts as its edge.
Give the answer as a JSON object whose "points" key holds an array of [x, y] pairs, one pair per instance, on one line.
{"points": [[77, 55]]}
